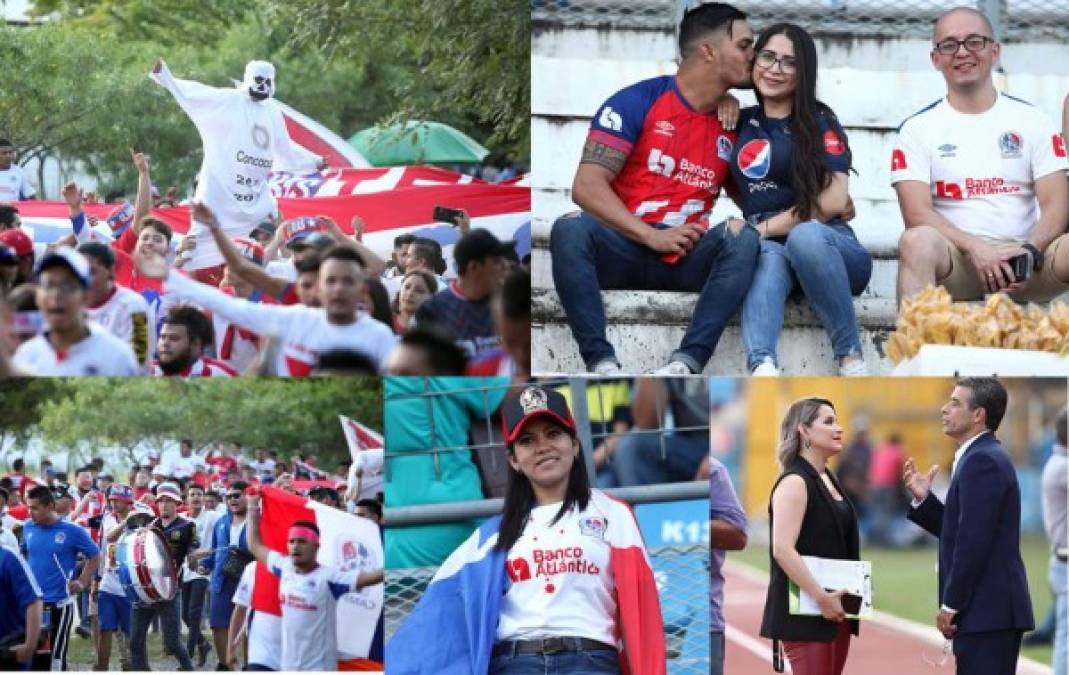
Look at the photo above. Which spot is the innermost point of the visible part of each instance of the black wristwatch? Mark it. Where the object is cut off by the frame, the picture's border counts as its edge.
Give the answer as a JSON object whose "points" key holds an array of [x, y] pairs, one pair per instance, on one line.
{"points": [[1037, 255]]}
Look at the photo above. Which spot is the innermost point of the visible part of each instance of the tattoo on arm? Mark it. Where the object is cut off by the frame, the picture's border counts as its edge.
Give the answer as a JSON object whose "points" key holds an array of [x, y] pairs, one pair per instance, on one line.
{"points": [[599, 153]]}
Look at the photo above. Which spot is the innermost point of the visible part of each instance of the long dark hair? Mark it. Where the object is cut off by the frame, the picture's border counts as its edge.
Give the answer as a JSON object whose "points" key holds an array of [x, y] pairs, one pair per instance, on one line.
{"points": [[520, 499], [809, 176]]}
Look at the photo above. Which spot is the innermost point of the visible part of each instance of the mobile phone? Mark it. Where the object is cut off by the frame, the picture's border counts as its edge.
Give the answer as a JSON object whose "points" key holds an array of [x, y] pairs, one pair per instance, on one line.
{"points": [[1022, 268], [851, 602], [444, 214]]}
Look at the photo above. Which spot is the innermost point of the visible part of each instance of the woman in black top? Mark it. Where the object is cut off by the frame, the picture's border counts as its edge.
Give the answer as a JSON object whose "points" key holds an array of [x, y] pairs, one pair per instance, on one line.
{"points": [[809, 515]]}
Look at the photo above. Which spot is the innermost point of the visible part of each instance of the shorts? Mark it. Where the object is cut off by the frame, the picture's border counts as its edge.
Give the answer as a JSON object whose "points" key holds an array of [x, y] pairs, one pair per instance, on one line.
{"points": [[1042, 286], [223, 605], [115, 612]]}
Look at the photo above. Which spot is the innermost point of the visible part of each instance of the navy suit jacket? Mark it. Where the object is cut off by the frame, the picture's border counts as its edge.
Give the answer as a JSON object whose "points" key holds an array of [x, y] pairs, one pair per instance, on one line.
{"points": [[981, 573]]}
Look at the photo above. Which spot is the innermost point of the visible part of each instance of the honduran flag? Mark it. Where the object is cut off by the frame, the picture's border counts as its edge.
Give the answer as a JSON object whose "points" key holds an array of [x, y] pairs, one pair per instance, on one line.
{"points": [[452, 629], [346, 542]]}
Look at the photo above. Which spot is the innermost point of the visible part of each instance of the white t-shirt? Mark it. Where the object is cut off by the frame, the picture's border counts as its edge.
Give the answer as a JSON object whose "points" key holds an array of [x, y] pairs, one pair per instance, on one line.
{"points": [[264, 630], [304, 332], [981, 167], [264, 469], [8, 541], [100, 354], [127, 315], [309, 609], [370, 461], [559, 578], [205, 524], [182, 467], [13, 185]]}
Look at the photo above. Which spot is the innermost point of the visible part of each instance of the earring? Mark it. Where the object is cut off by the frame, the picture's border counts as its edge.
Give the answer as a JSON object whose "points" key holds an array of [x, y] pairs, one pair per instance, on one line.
{"points": [[807, 444]]}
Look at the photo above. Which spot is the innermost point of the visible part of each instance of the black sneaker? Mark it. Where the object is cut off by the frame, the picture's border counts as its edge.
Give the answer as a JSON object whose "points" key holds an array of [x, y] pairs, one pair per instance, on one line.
{"points": [[203, 649], [82, 632], [221, 666]]}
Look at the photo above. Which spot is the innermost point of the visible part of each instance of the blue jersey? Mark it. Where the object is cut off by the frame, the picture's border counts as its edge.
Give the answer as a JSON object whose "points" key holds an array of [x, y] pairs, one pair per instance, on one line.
{"points": [[761, 159], [18, 589], [52, 552]]}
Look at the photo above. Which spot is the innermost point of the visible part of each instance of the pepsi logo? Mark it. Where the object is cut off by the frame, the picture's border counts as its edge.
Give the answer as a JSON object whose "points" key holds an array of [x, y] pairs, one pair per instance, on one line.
{"points": [[755, 158], [898, 160], [833, 145]]}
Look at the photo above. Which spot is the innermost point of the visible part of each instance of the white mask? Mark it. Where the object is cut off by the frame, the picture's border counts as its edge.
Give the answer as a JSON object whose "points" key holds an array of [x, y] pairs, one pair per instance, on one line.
{"points": [[259, 80]]}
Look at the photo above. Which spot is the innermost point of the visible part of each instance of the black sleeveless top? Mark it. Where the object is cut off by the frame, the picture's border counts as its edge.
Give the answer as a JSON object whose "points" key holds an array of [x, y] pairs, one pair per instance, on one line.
{"points": [[829, 530]]}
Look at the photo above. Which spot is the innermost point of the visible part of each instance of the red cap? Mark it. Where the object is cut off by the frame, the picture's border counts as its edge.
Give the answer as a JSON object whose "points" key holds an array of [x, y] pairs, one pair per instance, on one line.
{"points": [[18, 240]]}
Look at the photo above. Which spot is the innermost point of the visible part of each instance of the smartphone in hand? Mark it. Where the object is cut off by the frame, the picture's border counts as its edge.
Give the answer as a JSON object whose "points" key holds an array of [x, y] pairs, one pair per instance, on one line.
{"points": [[1022, 267], [444, 214]]}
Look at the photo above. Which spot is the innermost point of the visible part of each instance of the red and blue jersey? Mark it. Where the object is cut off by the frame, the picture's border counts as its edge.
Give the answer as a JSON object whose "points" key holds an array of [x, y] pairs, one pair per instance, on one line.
{"points": [[677, 157]]}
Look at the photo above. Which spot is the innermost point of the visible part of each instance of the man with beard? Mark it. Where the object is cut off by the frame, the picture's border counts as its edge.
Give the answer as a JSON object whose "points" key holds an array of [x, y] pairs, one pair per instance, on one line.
{"points": [[244, 136], [229, 541], [123, 312], [70, 345], [180, 348]]}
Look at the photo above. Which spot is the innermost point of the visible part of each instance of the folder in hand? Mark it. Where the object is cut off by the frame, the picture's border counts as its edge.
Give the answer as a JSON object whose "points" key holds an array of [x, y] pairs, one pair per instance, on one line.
{"points": [[852, 576]]}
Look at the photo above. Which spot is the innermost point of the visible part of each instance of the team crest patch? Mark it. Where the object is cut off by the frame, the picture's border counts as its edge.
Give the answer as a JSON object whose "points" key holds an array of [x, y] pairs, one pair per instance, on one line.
{"points": [[61, 537], [723, 147], [593, 526], [948, 150], [1010, 144], [176, 535], [260, 137], [532, 399]]}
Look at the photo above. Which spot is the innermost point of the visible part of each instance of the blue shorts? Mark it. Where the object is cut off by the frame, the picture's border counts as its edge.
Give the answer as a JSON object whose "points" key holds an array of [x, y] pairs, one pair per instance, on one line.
{"points": [[115, 611], [223, 605]]}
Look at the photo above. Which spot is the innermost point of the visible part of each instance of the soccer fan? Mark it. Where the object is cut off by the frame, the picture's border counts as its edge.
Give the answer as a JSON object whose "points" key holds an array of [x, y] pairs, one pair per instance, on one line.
{"points": [[183, 336], [22, 246], [19, 480], [123, 312], [20, 596], [416, 287], [424, 352], [263, 631], [70, 345], [182, 466], [263, 466], [422, 255], [644, 193], [195, 584], [231, 554], [9, 269], [14, 187], [113, 607], [511, 309], [9, 217], [395, 267], [969, 171], [304, 332], [50, 546], [370, 509], [309, 592]]}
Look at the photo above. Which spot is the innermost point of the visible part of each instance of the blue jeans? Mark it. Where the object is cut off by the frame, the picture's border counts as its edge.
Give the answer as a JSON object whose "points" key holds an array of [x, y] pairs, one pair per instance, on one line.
{"points": [[1059, 583], [588, 256], [194, 593], [830, 266], [594, 662], [638, 458], [716, 653], [170, 626]]}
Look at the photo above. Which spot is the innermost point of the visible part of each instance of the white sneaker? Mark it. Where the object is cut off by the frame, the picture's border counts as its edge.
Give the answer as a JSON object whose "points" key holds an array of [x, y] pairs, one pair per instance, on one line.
{"points": [[855, 368], [607, 368], [674, 369], [766, 368]]}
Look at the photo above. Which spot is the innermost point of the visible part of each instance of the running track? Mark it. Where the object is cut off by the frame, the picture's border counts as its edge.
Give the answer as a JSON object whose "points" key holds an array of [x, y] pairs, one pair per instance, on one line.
{"points": [[887, 645]]}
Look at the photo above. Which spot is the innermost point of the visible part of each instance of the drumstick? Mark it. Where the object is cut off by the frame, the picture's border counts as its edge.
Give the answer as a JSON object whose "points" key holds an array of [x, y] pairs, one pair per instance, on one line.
{"points": [[66, 576]]}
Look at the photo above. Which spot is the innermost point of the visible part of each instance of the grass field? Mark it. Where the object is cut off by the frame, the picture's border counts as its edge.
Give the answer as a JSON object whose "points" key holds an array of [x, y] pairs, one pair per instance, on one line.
{"points": [[904, 581], [80, 654]]}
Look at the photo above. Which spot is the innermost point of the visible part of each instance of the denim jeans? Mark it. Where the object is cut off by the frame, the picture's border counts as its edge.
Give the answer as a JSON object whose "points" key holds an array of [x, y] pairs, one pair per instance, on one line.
{"points": [[170, 626], [595, 662], [1059, 583], [638, 458], [588, 256], [194, 593], [829, 265], [716, 653]]}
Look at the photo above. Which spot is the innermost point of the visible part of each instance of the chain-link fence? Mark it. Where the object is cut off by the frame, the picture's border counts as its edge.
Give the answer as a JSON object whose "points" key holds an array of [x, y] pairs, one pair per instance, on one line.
{"points": [[1013, 20], [684, 603]]}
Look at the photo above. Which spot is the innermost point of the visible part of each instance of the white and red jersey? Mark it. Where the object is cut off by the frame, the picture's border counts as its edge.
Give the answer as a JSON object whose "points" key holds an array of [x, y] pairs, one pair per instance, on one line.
{"points": [[128, 316], [263, 628], [235, 345], [205, 366], [95, 507], [677, 157], [304, 332], [100, 354], [981, 167]]}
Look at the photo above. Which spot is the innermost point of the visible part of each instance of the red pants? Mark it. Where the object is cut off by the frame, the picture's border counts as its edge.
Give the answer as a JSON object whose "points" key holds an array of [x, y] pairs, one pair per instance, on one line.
{"points": [[819, 658]]}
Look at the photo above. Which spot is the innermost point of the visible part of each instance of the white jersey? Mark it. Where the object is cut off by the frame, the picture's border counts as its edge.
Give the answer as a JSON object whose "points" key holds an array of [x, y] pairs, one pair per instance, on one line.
{"points": [[303, 332], [182, 467], [14, 186], [264, 630], [100, 354], [127, 315], [110, 582], [981, 167], [205, 524], [243, 141], [8, 541], [309, 612], [264, 469], [369, 462], [559, 578]]}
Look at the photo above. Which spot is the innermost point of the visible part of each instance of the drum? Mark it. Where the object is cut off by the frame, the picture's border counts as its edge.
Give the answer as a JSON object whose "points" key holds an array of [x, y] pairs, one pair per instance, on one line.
{"points": [[145, 567]]}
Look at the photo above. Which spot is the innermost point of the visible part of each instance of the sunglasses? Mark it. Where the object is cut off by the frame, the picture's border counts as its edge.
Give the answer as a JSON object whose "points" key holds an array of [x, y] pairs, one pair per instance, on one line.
{"points": [[235, 495]]}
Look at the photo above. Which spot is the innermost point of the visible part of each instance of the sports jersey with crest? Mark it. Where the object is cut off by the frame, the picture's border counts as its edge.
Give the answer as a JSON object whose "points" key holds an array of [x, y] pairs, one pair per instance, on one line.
{"points": [[127, 316], [676, 156], [981, 168], [761, 160]]}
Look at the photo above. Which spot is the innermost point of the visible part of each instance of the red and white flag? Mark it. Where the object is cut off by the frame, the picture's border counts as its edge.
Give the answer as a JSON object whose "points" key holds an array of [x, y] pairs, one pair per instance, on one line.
{"points": [[347, 542], [368, 451], [315, 137]]}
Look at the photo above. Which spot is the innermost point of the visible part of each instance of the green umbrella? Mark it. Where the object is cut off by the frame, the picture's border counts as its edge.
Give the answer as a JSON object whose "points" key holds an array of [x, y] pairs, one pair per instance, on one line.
{"points": [[417, 143]]}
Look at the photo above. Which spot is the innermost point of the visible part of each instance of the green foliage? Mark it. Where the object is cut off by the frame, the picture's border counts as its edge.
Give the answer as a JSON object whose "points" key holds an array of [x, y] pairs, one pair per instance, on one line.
{"points": [[21, 408]]}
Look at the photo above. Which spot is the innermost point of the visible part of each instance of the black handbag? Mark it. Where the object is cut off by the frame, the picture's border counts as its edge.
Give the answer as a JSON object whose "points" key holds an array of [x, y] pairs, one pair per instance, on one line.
{"points": [[235, 563]]}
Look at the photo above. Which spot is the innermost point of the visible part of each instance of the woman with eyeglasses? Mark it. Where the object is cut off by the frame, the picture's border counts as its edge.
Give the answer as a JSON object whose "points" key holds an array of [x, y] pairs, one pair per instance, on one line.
{"points": [[790, 165], [809, 514]]}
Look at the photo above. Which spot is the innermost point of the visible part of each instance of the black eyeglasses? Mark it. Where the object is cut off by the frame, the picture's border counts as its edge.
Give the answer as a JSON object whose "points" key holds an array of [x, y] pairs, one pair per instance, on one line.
{"points": [[973, 43], [767, 58], [236, 495]]}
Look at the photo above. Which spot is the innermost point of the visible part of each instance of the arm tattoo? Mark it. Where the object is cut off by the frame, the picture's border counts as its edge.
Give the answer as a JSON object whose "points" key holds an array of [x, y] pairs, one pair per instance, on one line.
{"points": [[599, 153]]}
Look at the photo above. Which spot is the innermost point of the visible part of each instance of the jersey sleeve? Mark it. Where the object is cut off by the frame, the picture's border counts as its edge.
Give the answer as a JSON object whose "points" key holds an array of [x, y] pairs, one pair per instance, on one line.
{"points": [[26, 190], [84, 543], [341, 582], [1049, 151], [16, 575], [618, 122], [199, 101], [243, 593], [910, 159], [837, 155], [276, 562], [257, 317]]}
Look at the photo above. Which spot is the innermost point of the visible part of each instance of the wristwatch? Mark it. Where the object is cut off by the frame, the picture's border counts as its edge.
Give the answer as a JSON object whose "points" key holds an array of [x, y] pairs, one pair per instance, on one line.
{"points": [[1037, 255]]}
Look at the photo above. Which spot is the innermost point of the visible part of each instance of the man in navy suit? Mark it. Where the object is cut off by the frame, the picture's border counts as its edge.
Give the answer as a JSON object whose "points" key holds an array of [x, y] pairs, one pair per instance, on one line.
{"points": [[983, 592]]}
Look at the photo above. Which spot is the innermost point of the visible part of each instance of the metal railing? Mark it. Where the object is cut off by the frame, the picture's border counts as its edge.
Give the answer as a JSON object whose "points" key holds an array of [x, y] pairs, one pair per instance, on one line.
{"points": [[1013, 20]]}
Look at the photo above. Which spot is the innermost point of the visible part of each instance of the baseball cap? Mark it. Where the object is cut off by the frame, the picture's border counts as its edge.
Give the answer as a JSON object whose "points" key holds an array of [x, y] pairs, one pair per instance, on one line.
{"points": [[123, 493], [268, 227], [311, 239], [7, 255], [477, 245], [250, 249], [18, 240], [120, 217], [169, 490], [300, 228], [74, 261], [534, 401], [61, 490]]}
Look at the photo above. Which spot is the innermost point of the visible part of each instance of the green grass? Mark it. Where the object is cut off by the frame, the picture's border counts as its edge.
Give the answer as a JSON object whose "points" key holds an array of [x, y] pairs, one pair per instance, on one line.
{"points": [[904, 581], [80, 654]]}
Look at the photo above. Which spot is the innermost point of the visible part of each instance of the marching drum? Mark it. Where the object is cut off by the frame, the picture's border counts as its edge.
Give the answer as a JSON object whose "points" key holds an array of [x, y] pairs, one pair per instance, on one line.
{"points": [[145, 567]]}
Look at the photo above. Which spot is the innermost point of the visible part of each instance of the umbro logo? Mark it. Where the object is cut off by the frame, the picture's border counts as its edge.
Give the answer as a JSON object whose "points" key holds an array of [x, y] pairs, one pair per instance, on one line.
{"points": [[664, 128]]}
